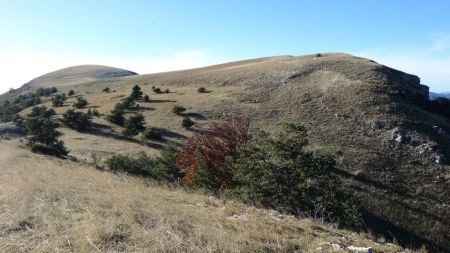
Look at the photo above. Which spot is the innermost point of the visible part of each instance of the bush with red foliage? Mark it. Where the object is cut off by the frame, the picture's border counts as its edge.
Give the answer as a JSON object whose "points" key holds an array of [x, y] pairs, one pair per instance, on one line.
{"points": [[210, 146]]}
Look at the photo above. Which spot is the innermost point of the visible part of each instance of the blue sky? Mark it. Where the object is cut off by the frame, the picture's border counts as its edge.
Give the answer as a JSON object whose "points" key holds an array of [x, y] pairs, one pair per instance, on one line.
{"points": [[153, 36]]}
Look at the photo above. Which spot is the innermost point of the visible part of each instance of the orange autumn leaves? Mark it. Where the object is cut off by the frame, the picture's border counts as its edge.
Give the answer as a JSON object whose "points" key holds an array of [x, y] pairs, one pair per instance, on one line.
{"points": [[211, 145]]}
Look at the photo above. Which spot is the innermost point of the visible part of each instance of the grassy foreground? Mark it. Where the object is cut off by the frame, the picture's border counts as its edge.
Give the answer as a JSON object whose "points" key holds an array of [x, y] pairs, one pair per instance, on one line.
{"points": [[52, 205]]}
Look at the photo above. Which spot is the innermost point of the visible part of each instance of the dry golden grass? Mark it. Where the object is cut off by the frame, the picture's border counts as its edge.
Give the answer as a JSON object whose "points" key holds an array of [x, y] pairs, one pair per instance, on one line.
{"points": [[52, 205], [336, 96]]}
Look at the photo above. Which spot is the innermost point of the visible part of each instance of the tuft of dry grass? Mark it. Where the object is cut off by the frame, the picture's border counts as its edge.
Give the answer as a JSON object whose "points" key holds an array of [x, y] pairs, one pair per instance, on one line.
{"points": [[52, 205]]}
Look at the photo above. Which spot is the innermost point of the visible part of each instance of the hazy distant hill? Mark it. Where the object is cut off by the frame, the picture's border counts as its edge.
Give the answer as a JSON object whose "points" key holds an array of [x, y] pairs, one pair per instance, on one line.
{"points": [[70, 76], [392, 151], [78, 74], [434, 95]]}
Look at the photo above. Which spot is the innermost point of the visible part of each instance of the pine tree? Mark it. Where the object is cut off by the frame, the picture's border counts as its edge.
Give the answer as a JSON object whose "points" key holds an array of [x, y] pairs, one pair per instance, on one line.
{"points": [[76, 120], [134, 125], [116, 116], [80, 103], [42, 136], [136, 93]]}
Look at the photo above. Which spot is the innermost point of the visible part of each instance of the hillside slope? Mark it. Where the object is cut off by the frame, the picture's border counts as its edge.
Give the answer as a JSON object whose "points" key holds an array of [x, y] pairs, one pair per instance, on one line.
{"points": [[49, 205], [391, 151], [70, 76]]}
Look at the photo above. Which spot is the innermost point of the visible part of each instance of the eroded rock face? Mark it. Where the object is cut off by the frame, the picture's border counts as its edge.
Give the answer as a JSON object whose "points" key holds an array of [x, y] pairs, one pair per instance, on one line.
{"points": [[427, 150]]}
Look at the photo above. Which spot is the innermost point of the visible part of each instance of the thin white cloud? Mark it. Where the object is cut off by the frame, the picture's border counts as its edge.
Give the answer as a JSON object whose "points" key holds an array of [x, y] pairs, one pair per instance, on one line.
{"points": [[441, 42], [19, 63]]}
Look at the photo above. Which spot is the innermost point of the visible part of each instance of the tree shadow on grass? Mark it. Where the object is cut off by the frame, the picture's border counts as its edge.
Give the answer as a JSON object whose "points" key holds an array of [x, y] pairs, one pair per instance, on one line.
{"points": [[161, 101], [104, 132], [170, 134], [140, 108]]}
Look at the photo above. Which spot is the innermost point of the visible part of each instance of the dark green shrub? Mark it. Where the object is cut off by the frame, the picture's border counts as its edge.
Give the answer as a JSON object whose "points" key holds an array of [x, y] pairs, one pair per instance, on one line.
{"points": [[279, 173], [167, 91], [187, 123], [127, 103], [80, 103], [160, 168], [93, 113], [58, 100], [42, 136], [133, 125], [201, 90], [71, 93], [178, 109], [46, 91], [201, 179], [146, 98], [8, 111], [151, 133], [136, 93], [27, 100], [106, 89], [157, 90], [41, 111], [76, 120], [116, 117]]}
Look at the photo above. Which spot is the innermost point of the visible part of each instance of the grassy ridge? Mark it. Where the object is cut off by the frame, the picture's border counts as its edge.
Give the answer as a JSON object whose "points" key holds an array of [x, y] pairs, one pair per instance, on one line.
{"points": [[337, 97]]}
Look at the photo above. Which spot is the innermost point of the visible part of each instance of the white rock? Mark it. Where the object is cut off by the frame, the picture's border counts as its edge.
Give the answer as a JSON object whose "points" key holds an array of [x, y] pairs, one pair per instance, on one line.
{"points": [[360, 249], [335, 246], [238, 217]]}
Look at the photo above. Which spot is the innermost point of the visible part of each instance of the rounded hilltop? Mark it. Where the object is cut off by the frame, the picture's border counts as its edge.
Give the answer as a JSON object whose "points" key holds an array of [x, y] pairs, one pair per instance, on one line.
{"points": [[76, 75]]}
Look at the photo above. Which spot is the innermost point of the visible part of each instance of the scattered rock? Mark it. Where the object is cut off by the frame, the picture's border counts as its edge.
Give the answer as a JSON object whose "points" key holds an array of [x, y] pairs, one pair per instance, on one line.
{"points": [[377, 125], [400, 139], [440, 159], [238, 217], [426, 153], [275, 215], [429, 151], [335, 246], [360, 249], [399, 136]]}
